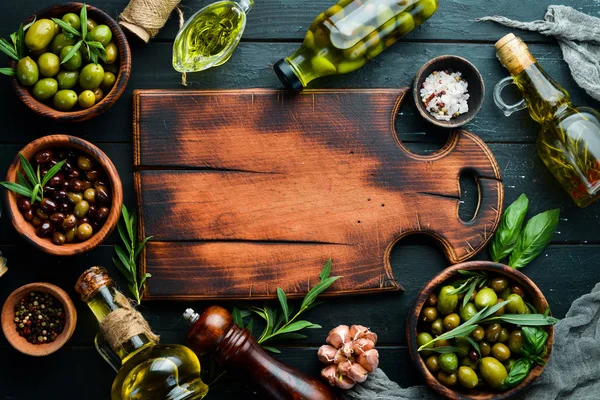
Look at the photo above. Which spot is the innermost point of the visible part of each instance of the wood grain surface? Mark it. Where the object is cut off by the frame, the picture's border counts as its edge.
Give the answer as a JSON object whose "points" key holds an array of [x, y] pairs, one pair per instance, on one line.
{"points": [[246, 191]]}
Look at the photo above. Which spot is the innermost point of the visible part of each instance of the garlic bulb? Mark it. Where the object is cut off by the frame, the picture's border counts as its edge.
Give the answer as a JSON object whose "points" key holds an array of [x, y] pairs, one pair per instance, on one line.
{"points": [[3, 267]]}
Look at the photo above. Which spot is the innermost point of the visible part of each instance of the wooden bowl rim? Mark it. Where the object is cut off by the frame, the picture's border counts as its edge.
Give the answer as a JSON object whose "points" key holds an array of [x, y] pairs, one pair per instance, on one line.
{"points": [[19, 342], [472, 110], [110, 98], [411, 326], [26, 230]]}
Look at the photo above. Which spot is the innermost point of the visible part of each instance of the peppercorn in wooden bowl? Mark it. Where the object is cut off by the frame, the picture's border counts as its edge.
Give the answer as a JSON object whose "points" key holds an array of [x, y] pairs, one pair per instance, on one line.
{"points": [[100, 229], [66, 315], [104, 99], [420, 323]]}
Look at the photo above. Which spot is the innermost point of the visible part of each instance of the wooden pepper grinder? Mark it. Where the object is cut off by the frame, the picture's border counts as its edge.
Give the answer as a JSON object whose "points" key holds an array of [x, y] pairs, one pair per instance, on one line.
{"points": [[213, 331]]}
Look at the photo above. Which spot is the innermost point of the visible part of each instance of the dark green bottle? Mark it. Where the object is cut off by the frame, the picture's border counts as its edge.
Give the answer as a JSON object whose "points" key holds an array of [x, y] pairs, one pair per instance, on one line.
{"points": [[347, 35]]}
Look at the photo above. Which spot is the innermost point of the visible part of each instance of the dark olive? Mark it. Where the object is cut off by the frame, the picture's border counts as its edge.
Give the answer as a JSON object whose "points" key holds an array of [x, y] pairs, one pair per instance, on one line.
{"points": [[92, 211], [64, 207], [100, 182], [102, 194], [57, 180], [499, 284], [102, 214], [473, 355], [515, 341], [84, 220], [492, 333], [70, 235], [57, 218], [74, 173], [41, 214], [429, 314], [93, 174], [437, 326], [44, 229], [24, 204], [84, 231], [69, 222], [96, 225], [485, 348], [451, 321], [60, 195], [502, 309], [518, 290], [84, 163], [43, 157], [36, 221], [86, 184], [76, 185], [433, 363], [28, 215], [478, 334], [48, 205], [58, 238], [81, 209]]}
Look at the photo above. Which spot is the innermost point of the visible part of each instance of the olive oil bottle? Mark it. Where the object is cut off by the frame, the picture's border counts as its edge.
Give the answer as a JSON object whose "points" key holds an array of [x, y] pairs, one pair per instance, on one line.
{"points": [[348, 34], [569, 140], [146, 370], [210, 36]]}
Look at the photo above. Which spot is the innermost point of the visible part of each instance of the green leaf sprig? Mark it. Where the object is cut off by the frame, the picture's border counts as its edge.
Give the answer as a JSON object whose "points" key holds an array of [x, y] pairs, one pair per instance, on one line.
{"points": [[32, 187], [14, 49], [522, 244], [467, 286], [95, 50], [533, 352], [285, 325], [126, 260]]}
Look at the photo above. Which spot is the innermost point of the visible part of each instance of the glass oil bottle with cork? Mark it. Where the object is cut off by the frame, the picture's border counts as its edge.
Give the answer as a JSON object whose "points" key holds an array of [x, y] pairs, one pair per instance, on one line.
{"points": [[569, 139], [348, 34], [146, 370]]}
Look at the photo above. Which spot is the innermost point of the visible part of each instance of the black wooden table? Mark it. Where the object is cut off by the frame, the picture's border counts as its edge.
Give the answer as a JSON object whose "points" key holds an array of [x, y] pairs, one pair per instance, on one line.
{"points": [[567, 269]]}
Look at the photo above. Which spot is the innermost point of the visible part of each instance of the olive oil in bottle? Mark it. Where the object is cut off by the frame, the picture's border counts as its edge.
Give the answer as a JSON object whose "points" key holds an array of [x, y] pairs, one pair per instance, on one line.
{"points": [[146, 369], [210, 36], [569, 140], [348, 34]]}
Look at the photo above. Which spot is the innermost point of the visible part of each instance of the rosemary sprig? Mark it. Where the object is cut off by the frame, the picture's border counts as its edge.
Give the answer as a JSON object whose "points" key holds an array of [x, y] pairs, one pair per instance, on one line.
{"points": [[95, 50], [286, 324], [32, 186], [126, 261]]}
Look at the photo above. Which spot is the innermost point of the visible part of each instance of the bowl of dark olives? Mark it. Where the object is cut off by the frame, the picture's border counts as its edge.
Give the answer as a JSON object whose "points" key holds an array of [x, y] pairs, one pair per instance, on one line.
{"points": [[69, 69], [64, 195], [480, 330]]}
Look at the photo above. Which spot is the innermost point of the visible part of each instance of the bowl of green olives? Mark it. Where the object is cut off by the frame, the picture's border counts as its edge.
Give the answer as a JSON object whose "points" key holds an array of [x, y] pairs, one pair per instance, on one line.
{"points": [[470, 326], [65, 77], [79, 204]]}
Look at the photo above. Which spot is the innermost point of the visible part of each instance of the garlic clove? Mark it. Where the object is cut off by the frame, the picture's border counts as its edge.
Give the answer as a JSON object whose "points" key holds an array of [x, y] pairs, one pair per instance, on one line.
{"points": [[372, 336], [369, 360], [358, 331], [338, 336], [357, 373], [347, 349], [361, 345], [345, 366], [326, 354], [344, 383], [329, 373]]}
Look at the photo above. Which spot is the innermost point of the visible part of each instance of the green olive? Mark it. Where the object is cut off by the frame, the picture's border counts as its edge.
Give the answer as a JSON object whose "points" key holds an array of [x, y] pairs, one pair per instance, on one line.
{"points": [[493, 372], [445, 379], [108, 81], [45, 89], [345, 67], [485, 348], [467, 377], [504, 335], [499, 284], [67, 79], [516, 305], [322, 66], [356, 52], [373, 40], [478, 334], [462, 344], [99, 94], [437, 327], [87, 99], [384, 14], [40, 34], [65, 99], [502, 309], [49, 64], [336, 10], [84, 231], [422, 339], [492, 333], [84, 163], [467, 362], [60, 42], [405, 22], [451, 321], [309, 41], [27, 71], [38, 53], [425, 8], [468, 311], [73, 20], [91, 24], [501, 351], [70, 235], [81, 209], [56, 28], [515, 341], [442, 343], [102, 34], [447, 302], [114, 68], [429, 314], [486, 297], [91, 76], [432, 363], [74, 197], [73, 63], [112, 52], [448, 362]]}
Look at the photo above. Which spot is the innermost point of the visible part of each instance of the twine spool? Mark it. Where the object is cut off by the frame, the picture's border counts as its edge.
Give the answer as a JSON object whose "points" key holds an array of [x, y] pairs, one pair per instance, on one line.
{"points": [[145, 18]]}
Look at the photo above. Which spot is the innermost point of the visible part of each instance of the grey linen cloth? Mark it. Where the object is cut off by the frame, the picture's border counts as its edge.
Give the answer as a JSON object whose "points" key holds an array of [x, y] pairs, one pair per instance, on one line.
{"points": [[578, 35], [573, 371]]}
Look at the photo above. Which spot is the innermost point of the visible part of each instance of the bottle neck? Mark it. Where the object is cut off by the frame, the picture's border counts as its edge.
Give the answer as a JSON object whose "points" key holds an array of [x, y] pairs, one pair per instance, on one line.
{"points": [[301, 64], [106, 301]]}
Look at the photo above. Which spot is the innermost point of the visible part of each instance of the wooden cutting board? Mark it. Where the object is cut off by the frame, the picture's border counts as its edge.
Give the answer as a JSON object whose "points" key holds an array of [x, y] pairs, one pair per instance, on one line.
{"points": [[248, 190]]}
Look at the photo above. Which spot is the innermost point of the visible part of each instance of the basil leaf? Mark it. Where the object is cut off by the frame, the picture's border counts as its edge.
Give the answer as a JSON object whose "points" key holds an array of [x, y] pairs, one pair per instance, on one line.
{"points": [[534, 238], [237, 317], [510, 227], [535, 339], [517, 373], [72, 52]]}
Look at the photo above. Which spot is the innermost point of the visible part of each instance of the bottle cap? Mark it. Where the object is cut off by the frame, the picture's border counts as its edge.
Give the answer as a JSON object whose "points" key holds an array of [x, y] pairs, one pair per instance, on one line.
{"points": [[287, 75], [91, 280], [513, 54]]}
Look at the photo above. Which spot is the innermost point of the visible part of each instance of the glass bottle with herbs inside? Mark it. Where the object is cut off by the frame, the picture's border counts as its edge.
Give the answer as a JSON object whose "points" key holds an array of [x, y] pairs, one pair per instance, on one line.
{"points": [[146, 369], [569, 140], [348, 34]]}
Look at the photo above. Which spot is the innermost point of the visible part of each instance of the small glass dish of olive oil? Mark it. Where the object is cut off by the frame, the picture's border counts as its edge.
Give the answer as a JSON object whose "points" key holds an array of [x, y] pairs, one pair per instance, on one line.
{"points": [[210, 36]]}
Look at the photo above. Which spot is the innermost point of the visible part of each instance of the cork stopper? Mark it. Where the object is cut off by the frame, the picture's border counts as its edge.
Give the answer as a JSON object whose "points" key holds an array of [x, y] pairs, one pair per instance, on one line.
{"points": [[91, 280], [513, 54]]}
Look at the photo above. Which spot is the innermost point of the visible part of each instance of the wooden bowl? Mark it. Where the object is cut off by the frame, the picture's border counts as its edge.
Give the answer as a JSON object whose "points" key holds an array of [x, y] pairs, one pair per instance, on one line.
{"points": [[57, 11], [27, 230], [469, 73], [536, 298], [19, 342]]}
